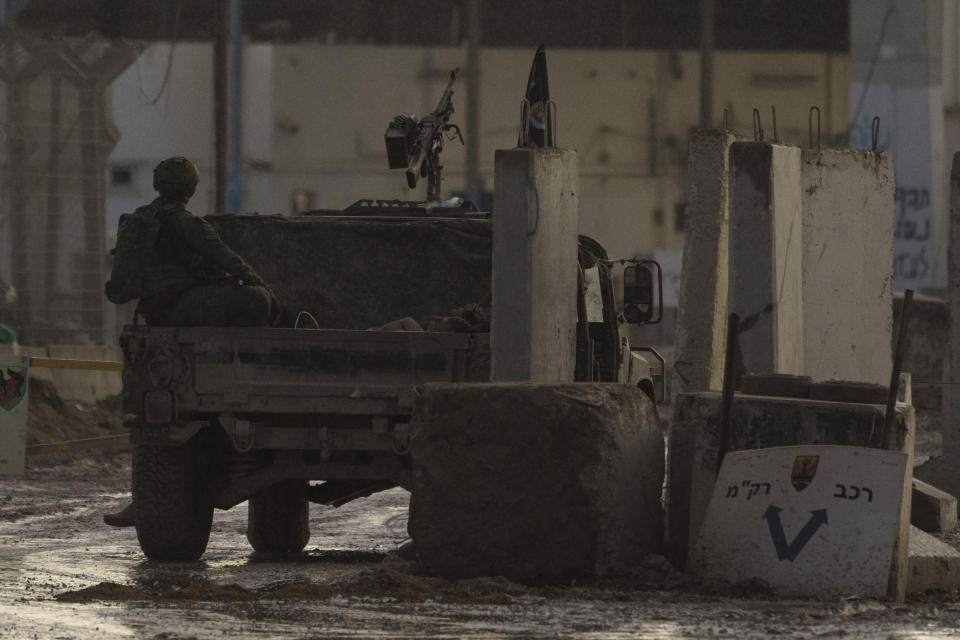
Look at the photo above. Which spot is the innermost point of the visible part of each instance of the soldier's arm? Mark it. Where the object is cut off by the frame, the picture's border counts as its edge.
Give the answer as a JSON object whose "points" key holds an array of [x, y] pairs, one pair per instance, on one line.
{"points": [[207, 242]]}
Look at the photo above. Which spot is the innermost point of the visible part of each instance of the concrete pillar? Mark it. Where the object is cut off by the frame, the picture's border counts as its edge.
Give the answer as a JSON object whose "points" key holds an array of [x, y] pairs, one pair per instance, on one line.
{"points": [[702, 308], [848, 215], [534, 316], [765, 256]]}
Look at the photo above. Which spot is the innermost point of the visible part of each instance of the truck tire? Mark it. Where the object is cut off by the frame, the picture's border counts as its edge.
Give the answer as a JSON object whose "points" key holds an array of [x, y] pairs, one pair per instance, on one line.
{"points": [[278, 518], [171, 514]]}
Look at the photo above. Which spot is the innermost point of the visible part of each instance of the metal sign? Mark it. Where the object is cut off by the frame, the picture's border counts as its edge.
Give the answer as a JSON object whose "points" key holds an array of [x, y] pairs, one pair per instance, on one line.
{"points": [[14, 373], [813, 520]]}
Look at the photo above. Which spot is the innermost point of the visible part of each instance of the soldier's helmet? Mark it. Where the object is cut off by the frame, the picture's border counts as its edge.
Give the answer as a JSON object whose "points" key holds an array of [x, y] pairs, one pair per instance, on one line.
{"points": [[176, 177]]}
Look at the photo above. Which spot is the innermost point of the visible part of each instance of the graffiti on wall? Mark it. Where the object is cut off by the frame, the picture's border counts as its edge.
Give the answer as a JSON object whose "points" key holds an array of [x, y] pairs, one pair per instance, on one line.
{"points": [[912, 264]]}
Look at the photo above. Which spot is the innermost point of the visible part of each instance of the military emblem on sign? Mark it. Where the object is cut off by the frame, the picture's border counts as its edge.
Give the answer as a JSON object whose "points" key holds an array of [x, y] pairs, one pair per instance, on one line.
{"points": [[804, 468], [13, 384]]}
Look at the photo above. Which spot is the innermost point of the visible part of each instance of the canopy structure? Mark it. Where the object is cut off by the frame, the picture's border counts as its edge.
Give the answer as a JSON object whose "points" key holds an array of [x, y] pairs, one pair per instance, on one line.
{"points": [[158, 20]]}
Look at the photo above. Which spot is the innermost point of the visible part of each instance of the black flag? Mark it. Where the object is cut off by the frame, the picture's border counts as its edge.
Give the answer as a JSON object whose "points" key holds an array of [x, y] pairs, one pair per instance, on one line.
{"points": [[537, 131]]}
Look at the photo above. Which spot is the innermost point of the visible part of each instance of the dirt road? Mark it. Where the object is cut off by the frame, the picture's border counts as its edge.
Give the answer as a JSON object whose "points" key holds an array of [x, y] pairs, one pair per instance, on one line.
{"points": [[63, 574]]}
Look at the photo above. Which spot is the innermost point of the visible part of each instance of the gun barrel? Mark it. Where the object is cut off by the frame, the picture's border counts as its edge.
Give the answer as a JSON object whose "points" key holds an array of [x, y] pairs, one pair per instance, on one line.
{"points": [[429, 143], [447, 92]]}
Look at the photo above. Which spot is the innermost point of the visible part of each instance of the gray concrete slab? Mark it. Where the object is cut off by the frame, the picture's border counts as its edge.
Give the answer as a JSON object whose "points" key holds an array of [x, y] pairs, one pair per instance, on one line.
{"points": [[847, 252], [933, 565], [932, 509], [534, 317], [765, 256], [702, 309]]}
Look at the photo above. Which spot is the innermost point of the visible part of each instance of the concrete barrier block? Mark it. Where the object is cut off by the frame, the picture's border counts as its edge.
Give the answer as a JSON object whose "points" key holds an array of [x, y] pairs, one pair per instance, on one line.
{"points": [[536, 482], [932, 509], [765, 257], [534, 321], [702, 309], [933, 565], [847, 247], [811, 520], [924, 356], [759, 422]]}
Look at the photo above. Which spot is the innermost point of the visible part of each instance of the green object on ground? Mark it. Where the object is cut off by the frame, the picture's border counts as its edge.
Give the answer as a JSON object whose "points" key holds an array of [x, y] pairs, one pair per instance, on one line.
{"points": [[7, 334]]}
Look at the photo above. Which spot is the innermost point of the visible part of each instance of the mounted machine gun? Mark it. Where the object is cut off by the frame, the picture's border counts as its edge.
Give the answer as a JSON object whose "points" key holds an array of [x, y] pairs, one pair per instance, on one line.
{"points": [[415, 145]]}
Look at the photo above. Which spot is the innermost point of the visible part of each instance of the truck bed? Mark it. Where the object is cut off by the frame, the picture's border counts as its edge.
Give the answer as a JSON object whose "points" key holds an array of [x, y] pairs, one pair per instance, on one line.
{"points": [[291, 371]]}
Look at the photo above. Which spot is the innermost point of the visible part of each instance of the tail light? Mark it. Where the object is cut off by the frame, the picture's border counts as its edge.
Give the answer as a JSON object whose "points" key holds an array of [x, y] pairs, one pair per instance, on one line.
{"points": [[158, 407], [131, 379]]}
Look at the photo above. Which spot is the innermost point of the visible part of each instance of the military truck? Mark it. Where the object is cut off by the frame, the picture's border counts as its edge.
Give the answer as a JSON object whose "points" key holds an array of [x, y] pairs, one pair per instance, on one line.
{"points": [[220, 415]]}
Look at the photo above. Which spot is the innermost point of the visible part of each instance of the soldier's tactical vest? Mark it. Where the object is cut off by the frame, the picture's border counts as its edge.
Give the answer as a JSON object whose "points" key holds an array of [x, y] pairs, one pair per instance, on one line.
{"points": [[135, 270]]}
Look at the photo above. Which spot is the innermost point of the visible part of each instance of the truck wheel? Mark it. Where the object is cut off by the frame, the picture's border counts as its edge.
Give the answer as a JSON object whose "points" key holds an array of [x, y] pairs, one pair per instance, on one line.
{"points": [[278, 518], [171, 515]]}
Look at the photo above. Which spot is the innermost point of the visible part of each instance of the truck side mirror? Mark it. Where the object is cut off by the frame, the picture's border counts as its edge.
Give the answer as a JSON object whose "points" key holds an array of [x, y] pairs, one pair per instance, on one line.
{"points": [[640, 297]]}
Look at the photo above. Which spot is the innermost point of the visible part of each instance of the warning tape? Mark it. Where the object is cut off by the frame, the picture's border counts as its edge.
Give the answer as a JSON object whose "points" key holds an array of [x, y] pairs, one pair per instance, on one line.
{"points": [[103, 442], [67, 363]]}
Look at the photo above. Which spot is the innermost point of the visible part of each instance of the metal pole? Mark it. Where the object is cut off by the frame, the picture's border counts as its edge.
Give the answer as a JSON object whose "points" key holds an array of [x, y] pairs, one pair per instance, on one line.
{"points": [[220, 106], [92, 116], [890, 416], [473, 186], [726, 401], [21, 241], [706, 62], [234, 108], [54, 197]]}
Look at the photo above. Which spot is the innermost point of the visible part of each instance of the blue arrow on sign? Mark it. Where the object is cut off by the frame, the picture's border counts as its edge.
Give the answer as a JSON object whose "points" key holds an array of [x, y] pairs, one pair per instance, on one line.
{"points": [[790, 551]]}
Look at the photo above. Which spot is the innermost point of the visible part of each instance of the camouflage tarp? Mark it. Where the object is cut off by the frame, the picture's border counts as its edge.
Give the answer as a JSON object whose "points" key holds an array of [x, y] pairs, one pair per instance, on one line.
{"points": [[361, 272]]}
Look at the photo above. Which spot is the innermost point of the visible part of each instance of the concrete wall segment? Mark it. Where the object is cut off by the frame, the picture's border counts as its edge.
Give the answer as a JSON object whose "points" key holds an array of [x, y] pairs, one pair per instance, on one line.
{"points": [[765, 229], [848, 229], [787, 244], [702, 306], [533, 327], [758, 422]]}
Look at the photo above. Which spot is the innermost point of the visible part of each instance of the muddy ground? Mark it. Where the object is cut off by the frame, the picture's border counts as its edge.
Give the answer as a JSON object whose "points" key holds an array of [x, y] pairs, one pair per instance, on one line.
{"points": [[63, 574]]}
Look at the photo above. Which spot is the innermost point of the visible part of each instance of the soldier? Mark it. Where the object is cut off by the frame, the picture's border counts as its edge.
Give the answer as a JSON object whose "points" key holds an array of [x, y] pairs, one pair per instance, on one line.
{"points": [[196, 279]]}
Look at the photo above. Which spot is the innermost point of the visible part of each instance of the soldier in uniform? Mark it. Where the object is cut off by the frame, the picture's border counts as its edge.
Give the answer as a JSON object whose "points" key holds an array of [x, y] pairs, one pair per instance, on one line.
{"points": [[200, 281]]}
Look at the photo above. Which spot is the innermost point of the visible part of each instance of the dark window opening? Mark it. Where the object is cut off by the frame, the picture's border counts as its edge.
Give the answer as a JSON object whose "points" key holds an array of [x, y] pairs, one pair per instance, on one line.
{"points": [[121, 177]]}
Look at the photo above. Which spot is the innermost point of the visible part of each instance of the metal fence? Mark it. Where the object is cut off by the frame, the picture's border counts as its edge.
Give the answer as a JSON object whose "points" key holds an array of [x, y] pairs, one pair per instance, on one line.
{"points": [[55, 137]]}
